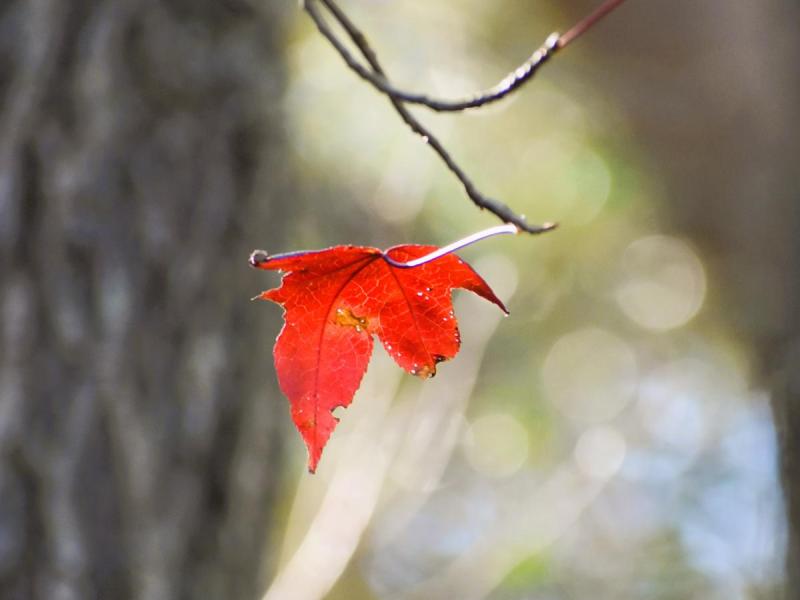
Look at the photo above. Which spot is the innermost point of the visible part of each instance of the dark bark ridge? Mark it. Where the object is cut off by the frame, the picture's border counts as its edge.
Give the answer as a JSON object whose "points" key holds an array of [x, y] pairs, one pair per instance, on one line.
{"points": [[136, 442]]}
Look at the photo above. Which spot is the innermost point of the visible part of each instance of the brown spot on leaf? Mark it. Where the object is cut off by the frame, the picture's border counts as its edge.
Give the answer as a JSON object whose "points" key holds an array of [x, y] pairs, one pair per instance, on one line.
{"points": [[346, 318]]}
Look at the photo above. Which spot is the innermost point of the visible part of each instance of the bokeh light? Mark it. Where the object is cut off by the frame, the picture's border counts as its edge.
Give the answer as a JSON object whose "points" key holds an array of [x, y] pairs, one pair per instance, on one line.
{"points": [[600, 451], [496, 445], [590, 375], [663, 283]]}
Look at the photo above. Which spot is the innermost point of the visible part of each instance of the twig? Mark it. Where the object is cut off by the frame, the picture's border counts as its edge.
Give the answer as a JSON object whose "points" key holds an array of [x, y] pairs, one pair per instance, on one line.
{"points": [[516, 79], [508, 84], [450, 248], [588, 22], [496, 207], [377, 77]]}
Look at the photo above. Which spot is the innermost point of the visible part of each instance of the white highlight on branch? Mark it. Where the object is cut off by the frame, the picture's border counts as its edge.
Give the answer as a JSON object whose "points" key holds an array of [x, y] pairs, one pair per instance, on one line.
{"points": [[457, 245]]}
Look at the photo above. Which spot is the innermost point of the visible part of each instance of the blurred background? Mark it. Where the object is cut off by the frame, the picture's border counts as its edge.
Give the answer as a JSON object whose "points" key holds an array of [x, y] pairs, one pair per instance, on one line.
{"points": [[629, 431]]}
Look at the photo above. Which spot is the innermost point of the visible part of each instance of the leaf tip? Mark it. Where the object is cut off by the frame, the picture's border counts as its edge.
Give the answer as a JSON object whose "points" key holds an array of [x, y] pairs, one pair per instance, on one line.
{"points": [[499, 303], [425, 371], [313, 459]]}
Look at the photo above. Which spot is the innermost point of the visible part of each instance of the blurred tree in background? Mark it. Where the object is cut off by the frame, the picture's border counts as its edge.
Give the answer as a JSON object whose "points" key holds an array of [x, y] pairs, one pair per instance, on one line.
{"points": [[141, 159], [725, 76]]}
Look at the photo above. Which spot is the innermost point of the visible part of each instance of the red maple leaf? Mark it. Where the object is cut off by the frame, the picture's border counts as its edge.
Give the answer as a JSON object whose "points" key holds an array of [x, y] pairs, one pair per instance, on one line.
{"points": [[336, 299]]}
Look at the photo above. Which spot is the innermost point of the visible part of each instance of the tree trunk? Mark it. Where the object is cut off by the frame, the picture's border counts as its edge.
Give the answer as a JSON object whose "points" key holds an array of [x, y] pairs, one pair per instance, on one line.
{"points": [[138, 448], [714, 93]]}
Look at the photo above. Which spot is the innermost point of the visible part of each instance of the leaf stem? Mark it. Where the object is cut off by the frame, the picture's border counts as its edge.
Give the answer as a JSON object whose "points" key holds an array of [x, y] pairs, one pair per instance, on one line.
{"points": [[457, 245]]}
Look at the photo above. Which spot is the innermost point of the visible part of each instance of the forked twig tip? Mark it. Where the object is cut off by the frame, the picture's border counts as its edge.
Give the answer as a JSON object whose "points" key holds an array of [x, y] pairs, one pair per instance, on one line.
{"points": [[537, 229]]}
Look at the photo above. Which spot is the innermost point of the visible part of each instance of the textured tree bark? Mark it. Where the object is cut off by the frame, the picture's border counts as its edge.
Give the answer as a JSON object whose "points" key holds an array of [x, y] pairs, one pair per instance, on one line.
{"points": [[138, 446]]}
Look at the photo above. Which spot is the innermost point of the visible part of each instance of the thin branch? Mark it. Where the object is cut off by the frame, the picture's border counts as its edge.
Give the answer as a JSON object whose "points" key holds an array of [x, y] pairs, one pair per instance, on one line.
{"points": [[514, 80], [496, 207], [588, 22], [517, 78], [455, 246]]}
